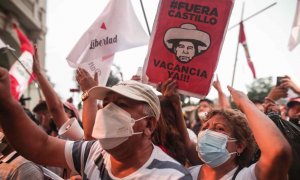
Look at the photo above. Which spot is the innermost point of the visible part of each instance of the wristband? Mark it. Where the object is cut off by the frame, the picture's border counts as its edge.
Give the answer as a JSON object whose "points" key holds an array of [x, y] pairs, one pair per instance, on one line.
{"points": [[270, 100], [84, 96]]}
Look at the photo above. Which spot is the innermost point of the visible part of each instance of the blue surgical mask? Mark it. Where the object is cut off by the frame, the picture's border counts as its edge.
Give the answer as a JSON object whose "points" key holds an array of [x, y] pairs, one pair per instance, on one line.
{"points": [[211, 148]]}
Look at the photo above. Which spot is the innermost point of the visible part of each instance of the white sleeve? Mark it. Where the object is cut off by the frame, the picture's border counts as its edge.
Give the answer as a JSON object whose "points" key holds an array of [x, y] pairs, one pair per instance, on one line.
{"points": [[247, 173], [68, 154]]}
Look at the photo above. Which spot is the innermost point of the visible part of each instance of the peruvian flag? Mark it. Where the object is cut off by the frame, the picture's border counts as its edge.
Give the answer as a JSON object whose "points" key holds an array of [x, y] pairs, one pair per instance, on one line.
{"points": [[116, 29], [242, 40], [19, 76]]}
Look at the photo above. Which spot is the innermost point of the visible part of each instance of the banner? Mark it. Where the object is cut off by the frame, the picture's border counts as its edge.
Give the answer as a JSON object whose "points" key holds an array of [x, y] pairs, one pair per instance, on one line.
{"points": [[116, 29], [295, 31], [100, 66], [242, 40], [186, 42], [19, 76]]}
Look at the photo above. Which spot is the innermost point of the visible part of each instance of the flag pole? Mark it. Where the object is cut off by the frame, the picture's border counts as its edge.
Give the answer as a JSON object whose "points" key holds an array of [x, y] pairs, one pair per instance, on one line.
{"points": [[35, 82], [145, 17], [253, 15], [237, 48]]}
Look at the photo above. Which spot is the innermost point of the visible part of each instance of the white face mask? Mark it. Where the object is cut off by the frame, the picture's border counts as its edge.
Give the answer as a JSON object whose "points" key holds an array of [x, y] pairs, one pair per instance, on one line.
{"points": [[202, 115], [113, 126]]}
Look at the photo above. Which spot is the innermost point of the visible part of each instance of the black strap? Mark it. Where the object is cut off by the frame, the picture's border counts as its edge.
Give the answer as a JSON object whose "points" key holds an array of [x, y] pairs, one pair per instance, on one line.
{"points": [[236, 172]]}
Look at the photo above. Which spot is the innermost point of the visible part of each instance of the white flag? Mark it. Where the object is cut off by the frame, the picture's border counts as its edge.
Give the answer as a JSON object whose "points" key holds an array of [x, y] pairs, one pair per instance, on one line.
{"points": [[295, 32], [116, 29], [101, 66]]}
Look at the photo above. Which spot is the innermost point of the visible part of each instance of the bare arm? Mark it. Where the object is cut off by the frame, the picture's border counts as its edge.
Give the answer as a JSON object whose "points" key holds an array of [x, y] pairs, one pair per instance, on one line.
{"points": [[89, 105], [54, 103], [26, 137], [223, 101], [169, 90], [276, 93], [275, 150]]}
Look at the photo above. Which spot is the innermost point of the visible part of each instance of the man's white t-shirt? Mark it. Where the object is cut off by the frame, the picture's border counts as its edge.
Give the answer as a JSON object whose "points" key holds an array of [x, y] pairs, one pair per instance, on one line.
{"points": [[92, 162], [246, 173]]}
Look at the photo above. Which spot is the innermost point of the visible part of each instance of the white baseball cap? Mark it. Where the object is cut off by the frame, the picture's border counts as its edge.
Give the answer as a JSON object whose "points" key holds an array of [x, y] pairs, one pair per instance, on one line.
{"points": [[132, 90]]}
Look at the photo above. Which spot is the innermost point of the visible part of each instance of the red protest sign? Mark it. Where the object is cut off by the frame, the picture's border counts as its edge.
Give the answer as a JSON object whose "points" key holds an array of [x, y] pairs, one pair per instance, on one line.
{"points": [[186, 43]]}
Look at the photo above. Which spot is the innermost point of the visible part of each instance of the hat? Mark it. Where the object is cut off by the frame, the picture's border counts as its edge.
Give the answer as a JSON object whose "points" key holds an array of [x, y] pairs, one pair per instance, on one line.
{"points": [[72, 108], [187, 32], [132, 90], [293, 101]]}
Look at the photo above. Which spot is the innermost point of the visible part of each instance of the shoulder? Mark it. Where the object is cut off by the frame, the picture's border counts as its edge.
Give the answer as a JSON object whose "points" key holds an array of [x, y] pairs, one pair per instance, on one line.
{"points": [[247, 173], [161, 163], [79, 153], [194, 171], [27, 170]]}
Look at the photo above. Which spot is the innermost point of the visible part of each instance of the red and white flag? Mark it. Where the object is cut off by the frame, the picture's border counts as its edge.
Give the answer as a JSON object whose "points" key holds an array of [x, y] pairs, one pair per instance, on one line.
{"points": [[19, 76], [295, 32], [242, 40], [116, 29]]}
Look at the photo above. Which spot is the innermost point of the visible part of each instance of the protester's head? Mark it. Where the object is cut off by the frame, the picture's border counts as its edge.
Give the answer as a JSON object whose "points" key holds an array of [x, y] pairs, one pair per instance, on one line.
{"points": [[205, 105], [71, 110], [225, 137], [186, 42], [129, 115], [293, 108], [31, 116], [43, 116]]}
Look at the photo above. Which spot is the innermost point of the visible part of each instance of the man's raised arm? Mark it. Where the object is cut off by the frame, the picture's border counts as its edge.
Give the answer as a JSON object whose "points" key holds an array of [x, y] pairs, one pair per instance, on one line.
{"points": [[26, 137]]}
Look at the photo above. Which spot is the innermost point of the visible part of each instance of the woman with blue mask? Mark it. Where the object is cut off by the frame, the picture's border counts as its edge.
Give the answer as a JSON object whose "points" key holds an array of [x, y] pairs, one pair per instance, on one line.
{"points": [[226, 144]]}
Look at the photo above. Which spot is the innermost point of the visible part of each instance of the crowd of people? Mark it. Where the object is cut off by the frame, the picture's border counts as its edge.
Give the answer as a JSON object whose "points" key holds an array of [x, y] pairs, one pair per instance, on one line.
{"points": [[133, 133]]}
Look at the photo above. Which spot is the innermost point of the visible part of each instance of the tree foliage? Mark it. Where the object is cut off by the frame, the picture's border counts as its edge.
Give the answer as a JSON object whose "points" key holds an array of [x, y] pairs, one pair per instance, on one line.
{"points": [[259, 88]]}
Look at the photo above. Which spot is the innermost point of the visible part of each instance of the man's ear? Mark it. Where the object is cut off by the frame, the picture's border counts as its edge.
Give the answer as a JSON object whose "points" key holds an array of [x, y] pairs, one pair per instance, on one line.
{"points": [[151, 125]]}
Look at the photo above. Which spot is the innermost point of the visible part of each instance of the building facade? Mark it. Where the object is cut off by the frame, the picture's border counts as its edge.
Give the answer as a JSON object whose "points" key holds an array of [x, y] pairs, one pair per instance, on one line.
{"points": [[30, 16]]}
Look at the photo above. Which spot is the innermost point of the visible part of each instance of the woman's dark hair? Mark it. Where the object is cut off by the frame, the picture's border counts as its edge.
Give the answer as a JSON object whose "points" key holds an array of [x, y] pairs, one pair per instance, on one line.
{"points": [[166, 133], [40, 107]]}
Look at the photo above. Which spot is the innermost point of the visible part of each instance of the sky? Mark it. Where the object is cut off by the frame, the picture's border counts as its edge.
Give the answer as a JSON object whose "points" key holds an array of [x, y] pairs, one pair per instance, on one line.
{"points": [[267, 37]]}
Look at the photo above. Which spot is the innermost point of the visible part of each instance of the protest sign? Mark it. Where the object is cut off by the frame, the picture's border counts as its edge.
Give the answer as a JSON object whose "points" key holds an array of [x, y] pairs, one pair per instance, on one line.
{"points": [[186, 43]]}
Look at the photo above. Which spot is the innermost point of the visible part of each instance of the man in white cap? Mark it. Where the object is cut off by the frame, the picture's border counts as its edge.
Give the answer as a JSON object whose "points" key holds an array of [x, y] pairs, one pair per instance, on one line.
{"points": [[123, 128], [186, 42]]}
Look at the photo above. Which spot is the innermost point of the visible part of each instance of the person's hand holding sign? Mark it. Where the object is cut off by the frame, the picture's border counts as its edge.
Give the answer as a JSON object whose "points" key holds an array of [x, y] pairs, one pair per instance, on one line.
{"points": [[169, 90]]}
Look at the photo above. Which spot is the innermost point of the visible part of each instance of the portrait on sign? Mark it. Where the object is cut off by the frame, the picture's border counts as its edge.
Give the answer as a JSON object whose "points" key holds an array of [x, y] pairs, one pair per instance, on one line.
{"points": [[186, 42]]}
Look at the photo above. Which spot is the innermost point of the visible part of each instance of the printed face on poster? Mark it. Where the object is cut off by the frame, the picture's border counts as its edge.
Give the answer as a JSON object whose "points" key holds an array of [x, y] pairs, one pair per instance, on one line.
{"points": [[186, 43]]}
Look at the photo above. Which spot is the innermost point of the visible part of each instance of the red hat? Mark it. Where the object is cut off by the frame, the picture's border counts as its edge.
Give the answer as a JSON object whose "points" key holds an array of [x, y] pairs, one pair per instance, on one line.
{"points": [[293, 101]]}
